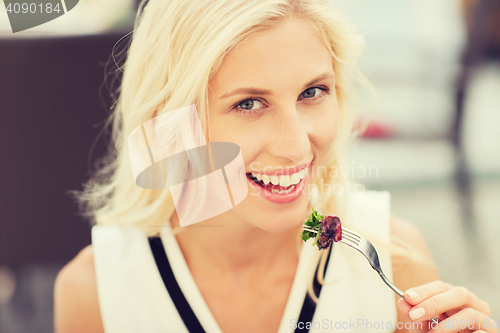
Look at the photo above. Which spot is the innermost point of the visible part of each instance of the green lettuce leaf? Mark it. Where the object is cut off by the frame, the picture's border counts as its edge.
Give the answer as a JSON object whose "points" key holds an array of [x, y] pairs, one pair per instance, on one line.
{"points": [[313, 222]]}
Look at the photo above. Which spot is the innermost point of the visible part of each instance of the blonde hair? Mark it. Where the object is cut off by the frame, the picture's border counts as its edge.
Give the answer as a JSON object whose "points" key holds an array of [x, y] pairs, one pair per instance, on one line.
{"points": [[177, 46]]}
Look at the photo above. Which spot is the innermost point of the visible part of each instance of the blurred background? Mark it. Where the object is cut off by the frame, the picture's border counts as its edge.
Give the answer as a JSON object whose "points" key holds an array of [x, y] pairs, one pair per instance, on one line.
{"points": [[432, 141]]}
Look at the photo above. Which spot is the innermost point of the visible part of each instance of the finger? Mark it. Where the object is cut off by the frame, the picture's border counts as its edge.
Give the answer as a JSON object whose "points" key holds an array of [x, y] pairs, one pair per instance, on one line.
{"points": [[405, 307], [418, 294], [468, 320], [454, 299]]}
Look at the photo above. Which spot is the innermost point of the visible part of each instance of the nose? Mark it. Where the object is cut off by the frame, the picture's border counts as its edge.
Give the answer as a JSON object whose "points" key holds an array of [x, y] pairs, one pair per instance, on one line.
{"points": [[289, 138]]}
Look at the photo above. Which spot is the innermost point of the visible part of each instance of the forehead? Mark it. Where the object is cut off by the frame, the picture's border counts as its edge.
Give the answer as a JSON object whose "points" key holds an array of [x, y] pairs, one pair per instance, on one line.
{"points": [[277, 57]]}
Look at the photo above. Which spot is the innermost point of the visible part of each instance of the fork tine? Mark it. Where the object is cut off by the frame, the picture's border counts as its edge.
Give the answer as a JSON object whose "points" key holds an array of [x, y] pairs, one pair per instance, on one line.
{"points": [[351, 233], [350, 238], [310, 230]]}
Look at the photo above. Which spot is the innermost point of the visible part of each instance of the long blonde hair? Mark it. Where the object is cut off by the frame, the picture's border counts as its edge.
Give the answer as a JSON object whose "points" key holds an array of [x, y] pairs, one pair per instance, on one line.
{"points": [[177, 46]]}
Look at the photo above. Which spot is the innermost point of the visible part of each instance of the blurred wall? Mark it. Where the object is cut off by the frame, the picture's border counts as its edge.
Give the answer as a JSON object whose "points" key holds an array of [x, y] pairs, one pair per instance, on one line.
{"points": [[50, 115]]}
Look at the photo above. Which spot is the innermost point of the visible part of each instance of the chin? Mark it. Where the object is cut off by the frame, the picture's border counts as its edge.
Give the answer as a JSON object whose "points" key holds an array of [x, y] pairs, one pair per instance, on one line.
{"points": [[279, 222], [277, 228], [274, 219]]}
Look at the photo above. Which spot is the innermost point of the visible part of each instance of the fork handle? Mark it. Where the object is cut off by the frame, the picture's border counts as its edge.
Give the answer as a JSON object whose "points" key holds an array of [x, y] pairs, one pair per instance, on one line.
{"points": [[398, 291], [390, 284]]}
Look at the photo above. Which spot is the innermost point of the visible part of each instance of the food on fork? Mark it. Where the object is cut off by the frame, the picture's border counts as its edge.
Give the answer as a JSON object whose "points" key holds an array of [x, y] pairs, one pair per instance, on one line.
{"points": [[331, 230], [327, 229]]}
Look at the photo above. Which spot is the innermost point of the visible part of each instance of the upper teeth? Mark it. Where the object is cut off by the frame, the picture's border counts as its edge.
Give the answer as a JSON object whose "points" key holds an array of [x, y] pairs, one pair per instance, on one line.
{"points": [[283, 180]]}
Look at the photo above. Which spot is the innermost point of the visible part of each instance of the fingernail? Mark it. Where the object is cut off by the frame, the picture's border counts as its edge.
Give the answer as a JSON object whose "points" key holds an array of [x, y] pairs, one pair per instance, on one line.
{"points": [[413, 294], [417, 313]]}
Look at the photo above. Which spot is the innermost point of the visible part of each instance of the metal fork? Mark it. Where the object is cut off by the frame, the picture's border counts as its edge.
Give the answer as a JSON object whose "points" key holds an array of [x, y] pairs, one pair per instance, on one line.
{"points": [[363, 245]]}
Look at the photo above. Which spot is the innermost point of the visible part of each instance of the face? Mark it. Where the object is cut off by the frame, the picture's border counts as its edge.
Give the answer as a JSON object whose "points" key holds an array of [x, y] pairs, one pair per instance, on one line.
{"points": [[274, 96]]}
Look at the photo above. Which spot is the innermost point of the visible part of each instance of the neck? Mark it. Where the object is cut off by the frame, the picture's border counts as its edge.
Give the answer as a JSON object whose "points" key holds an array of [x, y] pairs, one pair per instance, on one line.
{"points": [[234, 247]]}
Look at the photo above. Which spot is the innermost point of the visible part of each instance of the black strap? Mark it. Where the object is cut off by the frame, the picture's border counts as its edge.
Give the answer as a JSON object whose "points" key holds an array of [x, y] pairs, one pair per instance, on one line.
{"points": [[180, 302], [182, 305], [309, 306]]}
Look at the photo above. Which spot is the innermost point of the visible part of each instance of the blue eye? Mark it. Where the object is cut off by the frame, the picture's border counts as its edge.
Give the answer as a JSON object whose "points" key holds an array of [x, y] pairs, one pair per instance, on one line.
{"points": [[248, 106], [311, 92]]}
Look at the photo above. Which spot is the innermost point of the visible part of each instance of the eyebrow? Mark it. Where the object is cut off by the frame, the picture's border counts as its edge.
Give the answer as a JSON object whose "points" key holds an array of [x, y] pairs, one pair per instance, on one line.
{"points": [[255, 91]]}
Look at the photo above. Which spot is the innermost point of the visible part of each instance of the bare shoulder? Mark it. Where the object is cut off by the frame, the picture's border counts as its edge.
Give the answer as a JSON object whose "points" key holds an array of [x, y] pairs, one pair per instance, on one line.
{"points": [[409, 233], [407, 237], [76, 305]]}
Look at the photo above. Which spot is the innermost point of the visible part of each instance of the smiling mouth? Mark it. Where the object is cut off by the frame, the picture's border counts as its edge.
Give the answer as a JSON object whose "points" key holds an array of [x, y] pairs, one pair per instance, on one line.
{"points": [[283, 184], [277, 189], [279, 183]]}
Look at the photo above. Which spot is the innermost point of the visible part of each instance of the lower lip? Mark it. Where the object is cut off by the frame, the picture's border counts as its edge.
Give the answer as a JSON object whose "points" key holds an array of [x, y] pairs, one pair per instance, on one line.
{"points": [[281, 198]]}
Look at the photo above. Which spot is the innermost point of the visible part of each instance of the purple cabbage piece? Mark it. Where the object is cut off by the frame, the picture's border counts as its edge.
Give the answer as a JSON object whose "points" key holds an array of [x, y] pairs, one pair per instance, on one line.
{"points": [[331, 230]]}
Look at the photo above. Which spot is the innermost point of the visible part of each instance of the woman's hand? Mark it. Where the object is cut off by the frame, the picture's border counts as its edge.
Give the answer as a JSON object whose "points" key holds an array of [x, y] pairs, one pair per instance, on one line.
{"points": [[458, 309]]}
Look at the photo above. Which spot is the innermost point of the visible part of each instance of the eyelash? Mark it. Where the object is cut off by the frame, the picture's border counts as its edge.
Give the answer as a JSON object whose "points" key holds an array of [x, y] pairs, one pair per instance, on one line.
{"points": [[236, 108]]}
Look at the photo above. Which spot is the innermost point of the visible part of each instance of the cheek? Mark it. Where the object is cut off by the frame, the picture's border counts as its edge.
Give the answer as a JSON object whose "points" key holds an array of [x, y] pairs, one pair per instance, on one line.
{"points": [[325, 130], [250, 139], [250, 149]]}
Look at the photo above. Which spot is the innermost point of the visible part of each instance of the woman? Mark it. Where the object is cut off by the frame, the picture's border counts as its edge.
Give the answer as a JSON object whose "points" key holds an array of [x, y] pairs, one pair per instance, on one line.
{"points": [[270, 76]]}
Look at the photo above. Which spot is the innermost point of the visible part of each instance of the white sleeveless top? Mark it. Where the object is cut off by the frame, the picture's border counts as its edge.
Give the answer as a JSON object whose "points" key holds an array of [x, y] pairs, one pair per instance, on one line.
{"points": [[133, 297]]}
